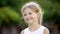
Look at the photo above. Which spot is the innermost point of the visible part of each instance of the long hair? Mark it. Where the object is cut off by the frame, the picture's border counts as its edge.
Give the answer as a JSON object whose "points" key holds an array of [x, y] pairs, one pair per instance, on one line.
{"points": [[36, 5]]}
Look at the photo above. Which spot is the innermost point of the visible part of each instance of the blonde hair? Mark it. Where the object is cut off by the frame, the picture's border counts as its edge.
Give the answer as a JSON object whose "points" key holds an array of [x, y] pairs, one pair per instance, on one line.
{"points": [[32, 5]]}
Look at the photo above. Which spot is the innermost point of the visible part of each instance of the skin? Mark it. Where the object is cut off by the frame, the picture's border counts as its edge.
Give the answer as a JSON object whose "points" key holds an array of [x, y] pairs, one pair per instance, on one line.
{"points": [[32, 19], [46, 31]]}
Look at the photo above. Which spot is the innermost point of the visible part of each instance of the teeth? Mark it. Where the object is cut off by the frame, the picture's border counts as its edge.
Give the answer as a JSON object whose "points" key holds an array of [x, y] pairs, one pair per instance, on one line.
{"points": [[29, 19]]}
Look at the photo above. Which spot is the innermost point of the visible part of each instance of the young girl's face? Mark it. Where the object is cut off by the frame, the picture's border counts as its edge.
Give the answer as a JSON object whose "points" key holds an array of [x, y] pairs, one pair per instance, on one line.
{"points": [[30, 16]]}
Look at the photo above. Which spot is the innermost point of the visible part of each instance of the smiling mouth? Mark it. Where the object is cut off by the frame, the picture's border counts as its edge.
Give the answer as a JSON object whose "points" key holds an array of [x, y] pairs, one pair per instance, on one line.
{"points": [[29, 19]]}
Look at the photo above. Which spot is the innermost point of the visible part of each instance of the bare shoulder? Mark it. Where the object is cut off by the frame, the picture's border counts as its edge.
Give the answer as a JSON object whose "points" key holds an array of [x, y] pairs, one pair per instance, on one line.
{"points": [[46, 31], [22, 32]]}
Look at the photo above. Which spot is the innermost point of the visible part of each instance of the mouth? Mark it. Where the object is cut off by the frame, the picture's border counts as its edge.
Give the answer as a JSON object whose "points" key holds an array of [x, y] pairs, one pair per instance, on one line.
{"points": [[28, 19]]}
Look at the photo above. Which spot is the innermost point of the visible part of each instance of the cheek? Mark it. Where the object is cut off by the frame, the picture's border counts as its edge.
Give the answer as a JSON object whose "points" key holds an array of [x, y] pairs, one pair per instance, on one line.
{"points": [[31, 16], [34, 16], [24, 17]]}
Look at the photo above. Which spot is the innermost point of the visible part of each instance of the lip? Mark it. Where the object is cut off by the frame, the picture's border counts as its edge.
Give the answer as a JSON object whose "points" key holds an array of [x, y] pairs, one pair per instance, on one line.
{"points": [[28, 19]]}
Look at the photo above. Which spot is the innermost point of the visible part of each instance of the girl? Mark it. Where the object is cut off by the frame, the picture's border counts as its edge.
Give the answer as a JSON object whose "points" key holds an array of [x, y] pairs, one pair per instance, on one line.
{"points": [[32, 14]]}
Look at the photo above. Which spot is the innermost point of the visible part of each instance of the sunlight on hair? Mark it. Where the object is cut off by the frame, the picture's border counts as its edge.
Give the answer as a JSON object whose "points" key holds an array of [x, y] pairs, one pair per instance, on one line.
{"points": [[38, 7]]}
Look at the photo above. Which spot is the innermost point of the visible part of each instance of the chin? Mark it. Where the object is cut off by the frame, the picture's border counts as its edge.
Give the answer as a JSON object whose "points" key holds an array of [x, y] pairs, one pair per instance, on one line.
{"points": [[29, 22]]}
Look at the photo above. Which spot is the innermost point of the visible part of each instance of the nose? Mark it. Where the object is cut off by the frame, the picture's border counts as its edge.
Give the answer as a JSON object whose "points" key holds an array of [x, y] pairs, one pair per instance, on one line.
{"points": [[27, 16]]}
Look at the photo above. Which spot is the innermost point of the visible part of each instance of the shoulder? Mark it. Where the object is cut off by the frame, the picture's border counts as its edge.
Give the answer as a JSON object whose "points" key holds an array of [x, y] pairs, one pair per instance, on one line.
{"points": [[46, 31], [22, 32]]}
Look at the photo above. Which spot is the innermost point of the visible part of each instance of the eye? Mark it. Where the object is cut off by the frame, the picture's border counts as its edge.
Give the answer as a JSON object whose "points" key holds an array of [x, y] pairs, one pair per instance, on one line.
{"points": [[30, 13], [25, 14]]}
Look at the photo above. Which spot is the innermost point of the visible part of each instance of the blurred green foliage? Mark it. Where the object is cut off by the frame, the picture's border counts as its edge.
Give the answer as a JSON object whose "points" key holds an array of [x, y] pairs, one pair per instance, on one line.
{"points": [[10, 11]]}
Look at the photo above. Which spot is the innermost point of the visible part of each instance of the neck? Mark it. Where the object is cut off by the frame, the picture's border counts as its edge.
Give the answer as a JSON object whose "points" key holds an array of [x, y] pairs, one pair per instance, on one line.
{"points": [[34, 26]]}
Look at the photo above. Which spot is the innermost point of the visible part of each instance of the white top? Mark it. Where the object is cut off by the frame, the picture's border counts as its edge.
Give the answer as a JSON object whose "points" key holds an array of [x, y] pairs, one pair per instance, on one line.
{"points": [[40, 30]]}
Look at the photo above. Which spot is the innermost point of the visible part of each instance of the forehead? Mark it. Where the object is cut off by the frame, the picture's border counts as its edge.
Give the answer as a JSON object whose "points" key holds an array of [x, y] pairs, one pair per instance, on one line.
{"points": [[27, 10], [31, 8]]}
